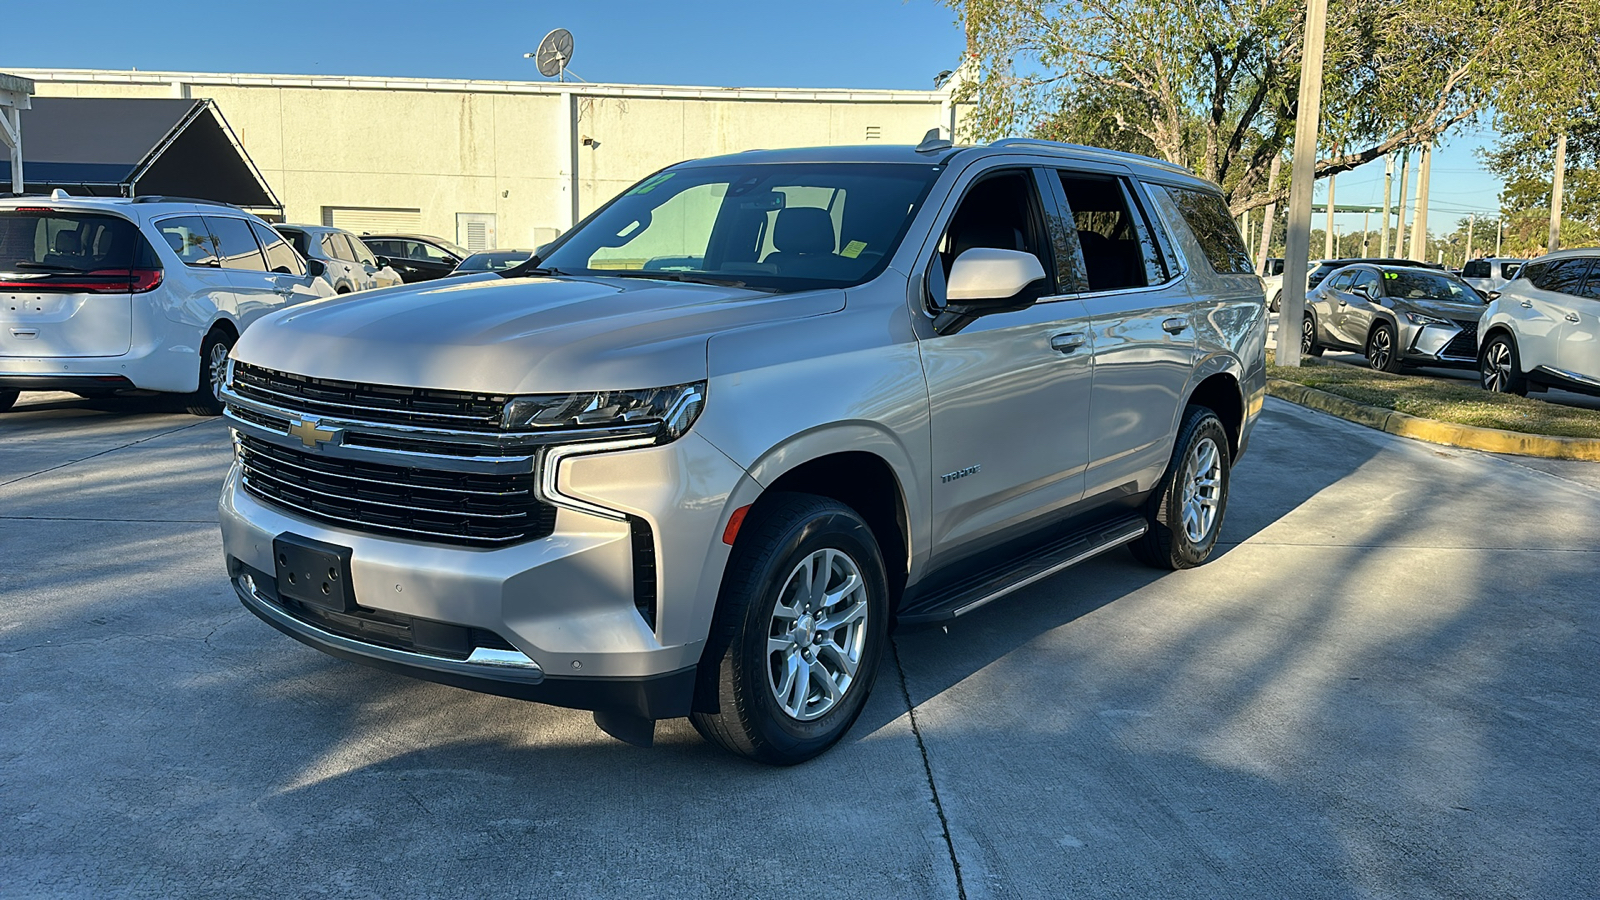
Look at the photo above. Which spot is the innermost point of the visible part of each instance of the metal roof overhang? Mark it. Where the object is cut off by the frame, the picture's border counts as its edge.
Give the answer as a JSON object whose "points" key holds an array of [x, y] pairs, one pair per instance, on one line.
{"points": [[127, 147]]}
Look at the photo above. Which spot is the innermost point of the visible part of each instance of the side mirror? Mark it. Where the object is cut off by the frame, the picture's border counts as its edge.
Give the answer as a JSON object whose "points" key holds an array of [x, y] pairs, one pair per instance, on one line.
{"points": [[381, 261], [316, 268], [985, 280]]}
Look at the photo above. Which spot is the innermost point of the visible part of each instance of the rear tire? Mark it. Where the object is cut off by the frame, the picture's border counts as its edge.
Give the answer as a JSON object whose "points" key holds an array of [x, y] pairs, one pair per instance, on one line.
{"points": [[800, 628], [1500, 368], [1186, 511], [8, 399], [1383, 349], [207, 401], [1276, 303]]}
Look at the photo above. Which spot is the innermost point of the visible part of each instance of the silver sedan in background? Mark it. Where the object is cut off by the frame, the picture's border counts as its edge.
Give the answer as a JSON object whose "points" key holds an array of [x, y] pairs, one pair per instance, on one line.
{"points": [[1396, 315]]}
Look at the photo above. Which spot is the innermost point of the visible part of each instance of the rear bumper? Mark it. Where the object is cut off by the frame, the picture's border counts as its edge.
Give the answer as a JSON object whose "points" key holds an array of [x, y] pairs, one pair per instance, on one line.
{"points": [[87, 384], [505, 673]]}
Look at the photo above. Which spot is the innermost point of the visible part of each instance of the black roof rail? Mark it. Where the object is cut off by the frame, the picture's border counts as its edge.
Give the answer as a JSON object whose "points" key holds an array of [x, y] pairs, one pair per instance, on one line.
{"points": [[163, 198]]}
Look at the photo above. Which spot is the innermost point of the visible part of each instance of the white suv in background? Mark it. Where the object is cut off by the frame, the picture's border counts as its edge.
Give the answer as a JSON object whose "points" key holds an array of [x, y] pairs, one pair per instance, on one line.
{"points": [[350, 265], [102, 295], [1543, 329]]}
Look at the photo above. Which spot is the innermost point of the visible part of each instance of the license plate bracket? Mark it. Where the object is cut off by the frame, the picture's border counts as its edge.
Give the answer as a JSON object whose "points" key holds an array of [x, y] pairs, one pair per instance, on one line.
{"points": [[313, 572]]}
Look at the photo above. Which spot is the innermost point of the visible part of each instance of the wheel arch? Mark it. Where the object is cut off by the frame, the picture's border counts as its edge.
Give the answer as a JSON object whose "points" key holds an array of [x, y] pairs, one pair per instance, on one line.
{"points": [[867, 483], [1220, 392]]}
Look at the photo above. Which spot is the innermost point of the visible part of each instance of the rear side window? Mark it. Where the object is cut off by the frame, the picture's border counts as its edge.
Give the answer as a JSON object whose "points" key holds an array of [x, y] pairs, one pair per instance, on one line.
{"points": [[1563, 276], [60, 241], [280, 256], [1118, 248], [190, 238], [362, 253], [1341, 282], [1477, 268], [236, 244], [1213, 228], [1509, 271]]}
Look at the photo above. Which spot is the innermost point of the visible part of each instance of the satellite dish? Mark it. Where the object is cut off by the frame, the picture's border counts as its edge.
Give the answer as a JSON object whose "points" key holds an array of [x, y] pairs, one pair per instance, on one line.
{"points": [[554, 52]]}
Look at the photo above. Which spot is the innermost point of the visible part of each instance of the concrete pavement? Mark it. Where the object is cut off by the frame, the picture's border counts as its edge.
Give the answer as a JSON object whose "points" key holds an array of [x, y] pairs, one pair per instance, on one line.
{"points": [[1384, 686]]}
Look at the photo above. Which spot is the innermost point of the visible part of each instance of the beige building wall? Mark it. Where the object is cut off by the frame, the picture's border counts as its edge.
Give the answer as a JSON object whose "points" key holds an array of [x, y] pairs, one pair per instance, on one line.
{"points": [[502, 148]]}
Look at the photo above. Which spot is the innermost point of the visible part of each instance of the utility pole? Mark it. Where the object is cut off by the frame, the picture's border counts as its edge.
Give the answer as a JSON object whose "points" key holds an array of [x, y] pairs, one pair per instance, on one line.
{"points": [[1266, 220], [1419, 223], [1557, 185], [1499, 230], [1366, 236], [1297, 253], [1472, 222], [1388, 192], [1400, 226], [1329, 250]]}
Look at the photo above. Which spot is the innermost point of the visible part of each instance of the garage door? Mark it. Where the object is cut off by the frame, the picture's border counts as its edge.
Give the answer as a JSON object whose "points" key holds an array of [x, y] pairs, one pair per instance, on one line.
{"points": [[369, 220]]}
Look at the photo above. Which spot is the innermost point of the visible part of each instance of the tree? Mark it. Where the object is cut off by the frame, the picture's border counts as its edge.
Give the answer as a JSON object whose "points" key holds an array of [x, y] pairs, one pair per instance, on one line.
{"points": [[1524, 160], [1212, 84]]}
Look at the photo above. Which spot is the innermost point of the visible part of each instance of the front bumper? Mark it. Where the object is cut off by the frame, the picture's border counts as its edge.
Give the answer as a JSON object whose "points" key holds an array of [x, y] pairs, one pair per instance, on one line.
{"points": [[563, 607], [1439, 344]]}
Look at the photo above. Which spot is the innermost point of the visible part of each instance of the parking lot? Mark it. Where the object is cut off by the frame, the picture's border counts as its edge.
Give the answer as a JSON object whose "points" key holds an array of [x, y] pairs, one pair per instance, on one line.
{"points": [[1383, 686]]}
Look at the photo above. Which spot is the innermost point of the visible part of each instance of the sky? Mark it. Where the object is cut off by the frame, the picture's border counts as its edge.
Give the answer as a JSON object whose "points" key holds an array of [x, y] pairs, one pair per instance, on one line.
{"points": [[890, 44]]}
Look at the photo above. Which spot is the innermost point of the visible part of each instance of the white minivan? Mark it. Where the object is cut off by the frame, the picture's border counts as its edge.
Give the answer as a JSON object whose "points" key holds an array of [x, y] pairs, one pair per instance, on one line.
{"points": [[102, 295]]}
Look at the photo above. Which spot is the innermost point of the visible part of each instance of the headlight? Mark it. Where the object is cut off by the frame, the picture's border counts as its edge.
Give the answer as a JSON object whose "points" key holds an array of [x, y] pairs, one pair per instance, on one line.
{"points": [[667, 412], [1419, 319]]}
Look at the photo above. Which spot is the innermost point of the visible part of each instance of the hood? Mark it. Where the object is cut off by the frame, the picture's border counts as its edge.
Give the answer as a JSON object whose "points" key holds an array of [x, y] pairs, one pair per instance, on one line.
{"points": [[1443, 309], [517, 336]]}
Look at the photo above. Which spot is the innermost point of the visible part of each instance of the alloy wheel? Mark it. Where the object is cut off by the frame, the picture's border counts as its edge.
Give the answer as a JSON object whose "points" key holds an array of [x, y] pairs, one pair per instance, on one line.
{"points": [[1308, 335], [1202, 490], [1380, 348], [217, 368], [1496, 369], [817, 634]]}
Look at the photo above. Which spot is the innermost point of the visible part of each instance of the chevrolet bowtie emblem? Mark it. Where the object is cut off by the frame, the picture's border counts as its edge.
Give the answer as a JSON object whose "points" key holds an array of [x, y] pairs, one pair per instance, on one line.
{"points": [[311, 433]]}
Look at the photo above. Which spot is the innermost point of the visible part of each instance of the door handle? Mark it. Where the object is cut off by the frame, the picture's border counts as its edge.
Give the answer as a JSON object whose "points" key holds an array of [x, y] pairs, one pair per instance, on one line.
{"points": [[1066, 343], [1572, 317], [1175, 325], [1527, 304]]}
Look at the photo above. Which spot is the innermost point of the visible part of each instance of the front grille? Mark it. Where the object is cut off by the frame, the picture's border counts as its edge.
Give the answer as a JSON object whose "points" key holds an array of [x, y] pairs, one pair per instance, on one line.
{"points": [[379, 403], [475, 510], [1463, 345]]}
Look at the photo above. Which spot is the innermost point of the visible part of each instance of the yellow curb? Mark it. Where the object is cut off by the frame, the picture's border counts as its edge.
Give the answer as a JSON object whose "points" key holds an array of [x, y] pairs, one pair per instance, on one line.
{"points": [[1470, 437]]}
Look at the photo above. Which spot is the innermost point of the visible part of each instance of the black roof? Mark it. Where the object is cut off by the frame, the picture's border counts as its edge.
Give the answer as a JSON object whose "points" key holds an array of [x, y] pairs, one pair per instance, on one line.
{"points": [[120, 147], [1385, 261]]}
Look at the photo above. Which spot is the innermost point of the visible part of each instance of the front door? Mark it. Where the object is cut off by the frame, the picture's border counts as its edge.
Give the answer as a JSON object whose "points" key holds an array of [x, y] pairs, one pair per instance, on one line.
{"points": [[1009, 393], [1579, 353]]}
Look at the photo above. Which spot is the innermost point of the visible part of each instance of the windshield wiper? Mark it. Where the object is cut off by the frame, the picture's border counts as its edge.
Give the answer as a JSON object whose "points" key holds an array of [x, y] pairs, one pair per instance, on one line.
{"points": [[686, 277]]}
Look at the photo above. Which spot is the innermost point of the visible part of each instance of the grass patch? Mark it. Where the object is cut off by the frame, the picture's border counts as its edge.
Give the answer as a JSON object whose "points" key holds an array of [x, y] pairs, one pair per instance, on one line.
{"points": [[1462, 403]]}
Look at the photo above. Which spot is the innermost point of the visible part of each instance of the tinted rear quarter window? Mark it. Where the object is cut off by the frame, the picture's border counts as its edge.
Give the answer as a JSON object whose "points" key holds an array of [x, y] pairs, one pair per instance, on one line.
{"points": [[1214, 230], [191, 239], [66, 241], [1477, 268]]}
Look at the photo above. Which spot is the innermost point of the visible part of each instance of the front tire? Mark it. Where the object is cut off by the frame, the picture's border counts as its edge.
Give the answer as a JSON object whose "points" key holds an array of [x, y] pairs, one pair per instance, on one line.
{"points": [[1185, 513], [1308, 337], [801, 625], [1500, 369], [1383, 349], [1276, 303], [207, 401]]}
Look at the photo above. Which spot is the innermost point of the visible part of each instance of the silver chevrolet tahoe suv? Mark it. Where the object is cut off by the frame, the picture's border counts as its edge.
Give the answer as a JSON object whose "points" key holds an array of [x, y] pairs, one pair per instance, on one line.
{"points": [[700, 457]]}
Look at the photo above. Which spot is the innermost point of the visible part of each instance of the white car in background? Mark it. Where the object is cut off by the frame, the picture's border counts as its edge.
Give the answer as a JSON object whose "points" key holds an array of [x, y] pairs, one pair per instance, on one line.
{"points": [[351, 265], [1272, 281], [1490, 273], [102, 295], [1543, 328]]}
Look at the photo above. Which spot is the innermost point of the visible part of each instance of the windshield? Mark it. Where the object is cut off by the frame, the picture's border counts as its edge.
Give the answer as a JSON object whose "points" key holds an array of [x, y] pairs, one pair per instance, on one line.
{"points": [[494, 260], [772, 226], [1428, 286]]}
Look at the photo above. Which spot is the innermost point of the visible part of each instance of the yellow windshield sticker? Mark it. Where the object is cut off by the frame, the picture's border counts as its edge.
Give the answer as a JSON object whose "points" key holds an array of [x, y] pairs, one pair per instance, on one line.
{"points": [[853, 249]]}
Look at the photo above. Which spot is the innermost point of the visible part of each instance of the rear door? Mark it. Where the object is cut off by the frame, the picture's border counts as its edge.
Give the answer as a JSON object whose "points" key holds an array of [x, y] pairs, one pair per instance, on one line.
{"points": [[1546, 311], [1143, 330], [1579, 353], [67, 279]]}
